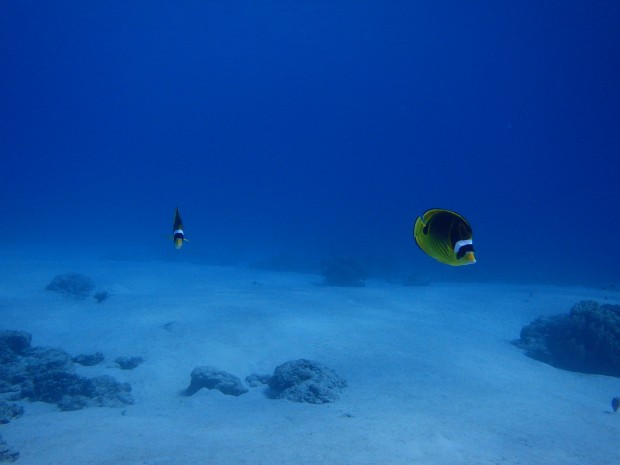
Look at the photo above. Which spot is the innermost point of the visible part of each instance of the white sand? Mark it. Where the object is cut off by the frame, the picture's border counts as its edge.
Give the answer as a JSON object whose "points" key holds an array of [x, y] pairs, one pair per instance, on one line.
{"points": [[432, 376]]}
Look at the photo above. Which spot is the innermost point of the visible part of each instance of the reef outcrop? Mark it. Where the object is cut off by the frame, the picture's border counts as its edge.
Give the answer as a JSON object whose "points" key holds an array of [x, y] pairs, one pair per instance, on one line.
{"points": [[47, 374], [586, 340]]}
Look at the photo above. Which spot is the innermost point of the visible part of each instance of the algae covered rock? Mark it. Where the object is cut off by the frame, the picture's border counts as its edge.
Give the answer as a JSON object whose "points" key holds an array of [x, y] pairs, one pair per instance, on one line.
{"points": [[586, 340], [211, 378], [306, 381], [106, 391], [52, 386], [101, 391], [75, 285], [128, 363], [73, 392]]}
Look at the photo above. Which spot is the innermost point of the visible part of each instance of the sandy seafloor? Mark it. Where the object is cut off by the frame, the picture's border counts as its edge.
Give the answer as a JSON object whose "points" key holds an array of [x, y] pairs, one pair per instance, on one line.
{"points": [[432, 377]]}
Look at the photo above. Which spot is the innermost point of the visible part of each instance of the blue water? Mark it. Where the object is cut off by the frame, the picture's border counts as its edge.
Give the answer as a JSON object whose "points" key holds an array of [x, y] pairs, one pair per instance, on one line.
{"points": [[311, 129]]}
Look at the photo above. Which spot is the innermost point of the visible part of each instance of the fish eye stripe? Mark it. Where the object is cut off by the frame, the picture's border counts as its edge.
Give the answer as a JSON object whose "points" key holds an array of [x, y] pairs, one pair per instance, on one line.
{"points": [[463, 251], [460, 244]]}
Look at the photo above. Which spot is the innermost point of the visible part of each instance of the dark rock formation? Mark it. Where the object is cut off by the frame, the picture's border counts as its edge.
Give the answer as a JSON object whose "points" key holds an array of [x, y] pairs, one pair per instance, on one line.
{"points": [[343, 271], [101, 391], [72, 284], [615, 403], [41, 360], [212, 378], [586, 340], [256, 380], [306, 381], [105, 391], [52, 386], [89, 360], [48, 375], [9, 411], [128, 363], [101, 296], [7, 454], [20, 364], [171, 326], [14, 342]]}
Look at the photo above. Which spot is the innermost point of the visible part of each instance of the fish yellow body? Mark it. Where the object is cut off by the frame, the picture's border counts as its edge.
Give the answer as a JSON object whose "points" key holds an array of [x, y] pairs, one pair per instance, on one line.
{"points": [[446, 236], [178, 235]]}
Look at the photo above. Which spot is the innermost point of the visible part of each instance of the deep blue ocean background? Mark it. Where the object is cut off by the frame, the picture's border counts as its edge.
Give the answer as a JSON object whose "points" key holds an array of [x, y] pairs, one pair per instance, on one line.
{"points": [[288, 132]]}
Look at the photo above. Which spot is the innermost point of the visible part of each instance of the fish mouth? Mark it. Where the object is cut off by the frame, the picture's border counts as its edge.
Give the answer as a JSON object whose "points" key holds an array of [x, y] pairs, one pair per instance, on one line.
{"points": [[470, 258]]}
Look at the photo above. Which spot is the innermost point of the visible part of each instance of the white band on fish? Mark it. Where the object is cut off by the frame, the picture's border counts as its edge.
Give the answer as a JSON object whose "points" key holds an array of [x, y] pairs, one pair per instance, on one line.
{"points": [[460, 244], [177, 231]]}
